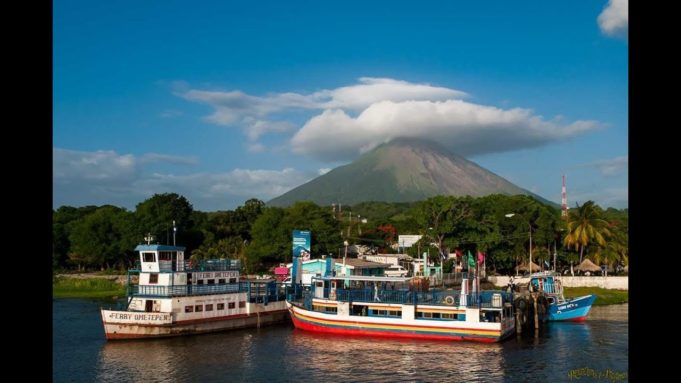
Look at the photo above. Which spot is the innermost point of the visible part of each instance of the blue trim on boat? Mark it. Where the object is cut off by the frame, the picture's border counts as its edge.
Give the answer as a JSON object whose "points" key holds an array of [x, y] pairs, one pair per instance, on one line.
{"points": [[159, 248], [571, 308]]}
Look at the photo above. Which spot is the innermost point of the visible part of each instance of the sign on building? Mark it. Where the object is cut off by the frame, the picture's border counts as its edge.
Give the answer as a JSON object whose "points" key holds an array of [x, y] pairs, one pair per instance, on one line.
{"points": [[301, 244], [407, 240]]}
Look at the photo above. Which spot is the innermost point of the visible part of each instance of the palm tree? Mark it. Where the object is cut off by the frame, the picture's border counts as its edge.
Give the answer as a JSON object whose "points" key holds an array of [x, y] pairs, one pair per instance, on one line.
{"points": [[585, 225]]}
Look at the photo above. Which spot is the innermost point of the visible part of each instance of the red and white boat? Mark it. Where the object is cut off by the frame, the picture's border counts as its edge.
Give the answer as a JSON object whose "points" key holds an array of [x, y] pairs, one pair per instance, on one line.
{"points": [[179, 297], [392, 307]]}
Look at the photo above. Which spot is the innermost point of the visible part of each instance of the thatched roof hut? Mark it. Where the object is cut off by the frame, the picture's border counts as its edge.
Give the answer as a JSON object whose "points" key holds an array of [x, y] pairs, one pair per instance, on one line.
{"points": [[587, 265], [525, 267]]}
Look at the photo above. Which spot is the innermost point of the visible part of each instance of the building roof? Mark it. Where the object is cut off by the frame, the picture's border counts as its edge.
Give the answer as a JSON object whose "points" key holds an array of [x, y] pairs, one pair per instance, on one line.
{"points": [[357, 263], [159, 248], [353, 263]]}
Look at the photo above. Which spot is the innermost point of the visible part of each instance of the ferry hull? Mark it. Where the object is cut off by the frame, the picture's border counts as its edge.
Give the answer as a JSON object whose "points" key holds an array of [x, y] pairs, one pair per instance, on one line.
{"points": [[574, 310], [115, 330], [310, 321]]}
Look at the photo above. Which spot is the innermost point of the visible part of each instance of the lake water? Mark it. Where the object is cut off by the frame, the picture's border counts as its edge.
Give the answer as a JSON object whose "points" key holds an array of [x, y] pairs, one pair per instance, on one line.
{"points": [[280, 353]]}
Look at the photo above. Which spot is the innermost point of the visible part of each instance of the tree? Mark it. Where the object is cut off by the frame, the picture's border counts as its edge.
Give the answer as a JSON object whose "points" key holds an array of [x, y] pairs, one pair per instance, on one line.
{"points": [[103, 238], [584, 226], [439, 216], [63, 220], [156, 214]]}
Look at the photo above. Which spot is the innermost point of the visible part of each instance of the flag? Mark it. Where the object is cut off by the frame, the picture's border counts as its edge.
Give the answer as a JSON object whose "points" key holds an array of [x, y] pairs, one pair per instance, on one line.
{"points": [[471, 260], [481, 257], [458, 253]]}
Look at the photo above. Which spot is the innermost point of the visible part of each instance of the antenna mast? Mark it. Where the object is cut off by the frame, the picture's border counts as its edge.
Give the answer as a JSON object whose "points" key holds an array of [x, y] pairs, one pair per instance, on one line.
{"points": [[563, 201]]}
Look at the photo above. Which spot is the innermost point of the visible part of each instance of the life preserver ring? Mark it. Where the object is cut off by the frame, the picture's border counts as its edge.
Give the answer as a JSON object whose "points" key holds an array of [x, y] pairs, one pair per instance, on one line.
{"points": [[449, 300]]}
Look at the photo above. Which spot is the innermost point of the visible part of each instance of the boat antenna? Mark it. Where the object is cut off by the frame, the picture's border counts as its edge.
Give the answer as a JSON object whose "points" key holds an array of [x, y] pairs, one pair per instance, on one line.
{"points": [[174, 232]]}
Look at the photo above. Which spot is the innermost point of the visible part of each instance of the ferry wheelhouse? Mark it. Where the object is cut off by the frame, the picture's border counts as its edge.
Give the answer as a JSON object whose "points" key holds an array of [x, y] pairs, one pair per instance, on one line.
{"points": [[394, 307], [175, 296]]}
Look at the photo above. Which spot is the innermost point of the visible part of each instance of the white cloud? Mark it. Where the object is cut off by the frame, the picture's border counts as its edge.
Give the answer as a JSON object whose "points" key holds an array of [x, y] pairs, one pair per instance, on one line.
{"points": [[611, 167], [464, 127], [323, 171], [256, 128], [105, 177], [256, 147], [103, 166], [614, 20], [372, 90], [177, 160], [357, 118]]}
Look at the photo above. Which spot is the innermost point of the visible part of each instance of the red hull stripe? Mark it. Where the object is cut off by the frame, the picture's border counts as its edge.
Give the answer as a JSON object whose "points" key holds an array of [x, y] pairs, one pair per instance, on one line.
{"points": [[578, 319], [388, 334], [410, 331]]}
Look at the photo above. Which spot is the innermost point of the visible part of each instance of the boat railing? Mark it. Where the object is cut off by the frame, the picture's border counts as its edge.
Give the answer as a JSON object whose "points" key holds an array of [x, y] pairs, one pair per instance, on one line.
{"points": [[183, 290], [490, 298], [212, 265], [193, 265]]}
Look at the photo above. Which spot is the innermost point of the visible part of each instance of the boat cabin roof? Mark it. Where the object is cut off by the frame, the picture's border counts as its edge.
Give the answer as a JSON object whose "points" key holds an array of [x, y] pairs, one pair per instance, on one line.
{"points": [[159, 248], [364, 278]]}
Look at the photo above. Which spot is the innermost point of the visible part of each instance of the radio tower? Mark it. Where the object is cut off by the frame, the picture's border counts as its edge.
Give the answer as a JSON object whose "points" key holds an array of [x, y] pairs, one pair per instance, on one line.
{"points": [[563, 201]]}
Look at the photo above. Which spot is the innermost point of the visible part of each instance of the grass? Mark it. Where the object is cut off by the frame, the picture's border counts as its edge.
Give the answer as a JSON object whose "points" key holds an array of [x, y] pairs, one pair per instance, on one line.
{"points": [[603, 296], [86, 288]]}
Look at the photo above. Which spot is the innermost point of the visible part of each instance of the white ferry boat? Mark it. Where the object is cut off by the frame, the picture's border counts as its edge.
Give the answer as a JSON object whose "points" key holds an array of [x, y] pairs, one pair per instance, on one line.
{"points": [[396, 307], [175, 296]]}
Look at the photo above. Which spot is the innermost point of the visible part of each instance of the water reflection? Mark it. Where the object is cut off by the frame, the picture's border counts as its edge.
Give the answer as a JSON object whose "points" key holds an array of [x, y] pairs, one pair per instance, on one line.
{"points": [[381, 359], [281, 353]]}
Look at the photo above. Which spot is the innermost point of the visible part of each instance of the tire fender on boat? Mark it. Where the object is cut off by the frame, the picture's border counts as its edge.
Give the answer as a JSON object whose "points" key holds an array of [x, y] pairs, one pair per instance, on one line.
{"points": [[449, 300]]}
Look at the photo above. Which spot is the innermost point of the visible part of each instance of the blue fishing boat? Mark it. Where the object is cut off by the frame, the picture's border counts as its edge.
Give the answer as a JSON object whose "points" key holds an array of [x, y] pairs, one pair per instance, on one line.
{"points": [[559, 308]]}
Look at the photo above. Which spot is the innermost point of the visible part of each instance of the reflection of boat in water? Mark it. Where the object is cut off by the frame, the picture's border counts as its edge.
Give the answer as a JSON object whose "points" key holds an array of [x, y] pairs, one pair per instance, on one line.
{"points": [[178, 297], [558, 307], [396, 307]]}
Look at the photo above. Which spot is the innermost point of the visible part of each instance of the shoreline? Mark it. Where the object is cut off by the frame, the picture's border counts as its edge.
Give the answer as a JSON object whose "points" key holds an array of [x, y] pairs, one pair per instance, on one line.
{"points": [[109, 287]]}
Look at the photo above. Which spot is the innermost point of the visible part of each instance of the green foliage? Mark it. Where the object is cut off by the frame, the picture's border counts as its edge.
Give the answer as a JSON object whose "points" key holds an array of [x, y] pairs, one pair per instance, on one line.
{"points": [[156, 214], [585, 226], [102, 238]]}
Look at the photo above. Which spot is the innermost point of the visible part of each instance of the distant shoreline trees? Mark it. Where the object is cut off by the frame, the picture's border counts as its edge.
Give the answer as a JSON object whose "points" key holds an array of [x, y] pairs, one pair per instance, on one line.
{"points": [[104, 237]]}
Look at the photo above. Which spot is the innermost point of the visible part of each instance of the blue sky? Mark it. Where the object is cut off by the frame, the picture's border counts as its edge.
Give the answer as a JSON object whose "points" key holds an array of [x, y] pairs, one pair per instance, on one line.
{"points": [[224, 101]]}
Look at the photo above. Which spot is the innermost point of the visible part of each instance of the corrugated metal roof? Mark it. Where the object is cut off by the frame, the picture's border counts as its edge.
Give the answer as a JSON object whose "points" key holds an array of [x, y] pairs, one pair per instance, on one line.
{"points": [[361, 263]]}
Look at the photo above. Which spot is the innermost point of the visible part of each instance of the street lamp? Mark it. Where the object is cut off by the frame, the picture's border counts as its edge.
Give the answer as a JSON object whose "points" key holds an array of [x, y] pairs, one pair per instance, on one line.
{"points": [[509, 215]]}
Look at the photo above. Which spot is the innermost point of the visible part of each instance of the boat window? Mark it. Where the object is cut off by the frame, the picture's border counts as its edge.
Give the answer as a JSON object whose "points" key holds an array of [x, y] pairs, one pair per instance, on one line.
{"points": [[149, 257], [198, 308], [153, 278], [221, 306], [211, 281], [189, 309], [221, 281], [242, 304], [209, 307], [231, 305], [165, 256], [199, 282], [232, 280]]}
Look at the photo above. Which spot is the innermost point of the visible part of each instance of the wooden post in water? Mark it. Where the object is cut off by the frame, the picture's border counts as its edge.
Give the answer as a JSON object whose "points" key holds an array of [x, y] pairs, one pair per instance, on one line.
{"points": [[536, 314], [518, 326]]}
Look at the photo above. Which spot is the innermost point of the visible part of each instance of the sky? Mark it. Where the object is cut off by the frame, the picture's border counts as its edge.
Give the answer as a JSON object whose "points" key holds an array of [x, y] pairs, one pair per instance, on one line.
{"points": [[223, 101]]}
